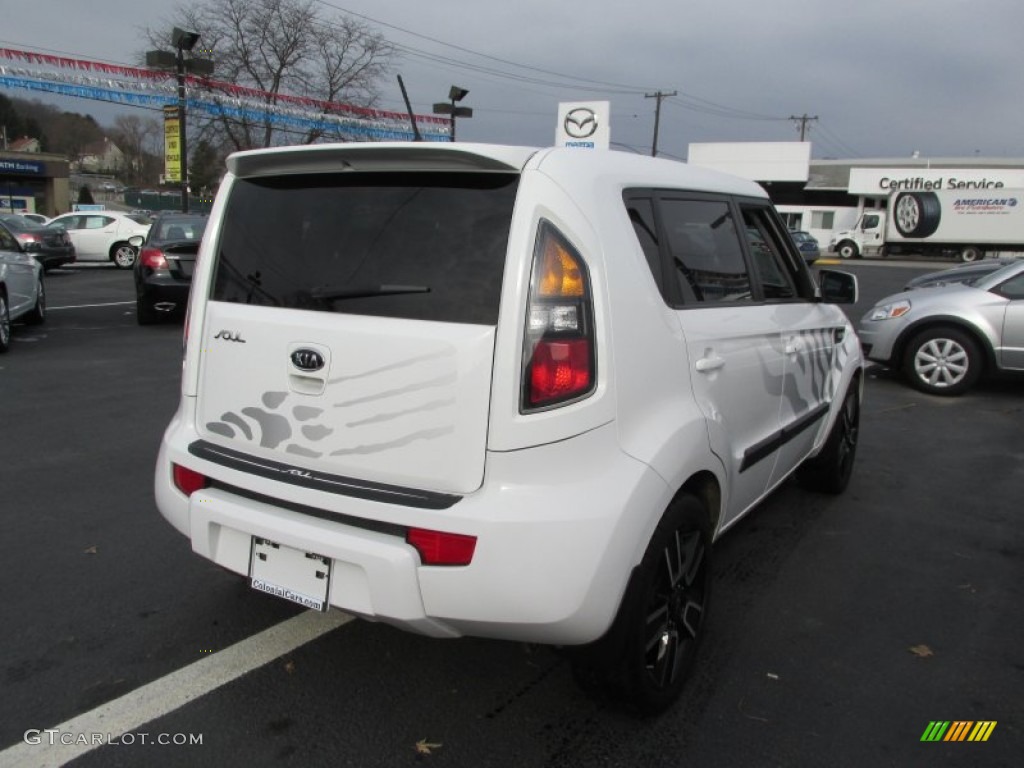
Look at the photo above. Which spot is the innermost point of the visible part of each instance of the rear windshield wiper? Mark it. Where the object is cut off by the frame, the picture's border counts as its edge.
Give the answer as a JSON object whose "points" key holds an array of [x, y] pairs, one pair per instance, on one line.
{"points": [[364, 291]]}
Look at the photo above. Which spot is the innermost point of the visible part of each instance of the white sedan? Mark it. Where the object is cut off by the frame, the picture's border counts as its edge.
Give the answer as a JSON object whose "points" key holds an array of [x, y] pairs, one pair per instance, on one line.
{"points": [[103, 235], [21, 287]]}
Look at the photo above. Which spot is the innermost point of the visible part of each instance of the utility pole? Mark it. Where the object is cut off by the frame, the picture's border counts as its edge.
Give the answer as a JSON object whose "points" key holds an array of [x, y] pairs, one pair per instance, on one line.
{"points": [[803, 120], [660, 96]]}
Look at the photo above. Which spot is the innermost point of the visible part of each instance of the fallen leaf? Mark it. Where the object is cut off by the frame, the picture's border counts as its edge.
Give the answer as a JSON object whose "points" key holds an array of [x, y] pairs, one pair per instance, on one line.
{"points": [[289, 666], [921, 651], [90, 551], [423, 747]]}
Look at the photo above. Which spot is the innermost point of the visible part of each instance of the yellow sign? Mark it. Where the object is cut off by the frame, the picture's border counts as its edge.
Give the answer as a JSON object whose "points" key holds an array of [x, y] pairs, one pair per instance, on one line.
{"points": [[172, 145]]}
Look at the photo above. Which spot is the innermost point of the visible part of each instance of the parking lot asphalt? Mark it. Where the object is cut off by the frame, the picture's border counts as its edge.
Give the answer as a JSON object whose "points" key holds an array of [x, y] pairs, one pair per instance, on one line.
{"points": [[840, 627]]}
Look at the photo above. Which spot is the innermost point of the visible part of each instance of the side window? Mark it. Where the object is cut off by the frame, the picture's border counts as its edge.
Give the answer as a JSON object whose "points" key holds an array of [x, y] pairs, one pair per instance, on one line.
{"points": [[823, 219], [7, 243], [705, 250], [97, 222], [767, 254], [1013, 288], [641, 216], [870, 221]]}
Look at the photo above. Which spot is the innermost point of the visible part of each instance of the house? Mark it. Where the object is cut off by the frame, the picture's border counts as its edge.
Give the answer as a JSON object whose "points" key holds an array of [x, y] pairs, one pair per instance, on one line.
{"points": [[101, 157], [25, 144]]}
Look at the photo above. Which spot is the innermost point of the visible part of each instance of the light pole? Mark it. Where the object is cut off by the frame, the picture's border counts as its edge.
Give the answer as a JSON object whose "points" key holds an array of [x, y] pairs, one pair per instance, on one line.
{"points": [[455, 94], [182, 40]]}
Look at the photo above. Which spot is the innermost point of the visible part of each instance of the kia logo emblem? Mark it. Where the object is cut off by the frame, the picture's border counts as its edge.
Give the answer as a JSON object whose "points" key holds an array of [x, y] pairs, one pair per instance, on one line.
{"points": [[580, 123], [307, 360]]}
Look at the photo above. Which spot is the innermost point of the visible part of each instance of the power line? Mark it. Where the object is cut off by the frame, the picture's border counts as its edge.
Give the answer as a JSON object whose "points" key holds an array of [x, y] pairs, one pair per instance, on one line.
{"points": [[630, 88], [842, 145], [707, 107], [528, 79]]}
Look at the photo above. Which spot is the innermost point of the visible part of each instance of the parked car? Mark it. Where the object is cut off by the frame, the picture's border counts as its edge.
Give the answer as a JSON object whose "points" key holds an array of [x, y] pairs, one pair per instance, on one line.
{"points": [[103, 235], [163, 271], [36, 218], [807, 244], [22, 292], [944, 339], [964, 273], [500, 391], [50, 245]]}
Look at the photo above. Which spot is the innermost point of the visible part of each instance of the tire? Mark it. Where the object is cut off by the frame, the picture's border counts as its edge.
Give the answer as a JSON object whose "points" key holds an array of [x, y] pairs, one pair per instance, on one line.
{"points": [[123, 255], [5, 324], [830, 470], [916, 214], [971, 253], [848, 250], [145, 314], [943, 361], [644, 659], [37, 315]]}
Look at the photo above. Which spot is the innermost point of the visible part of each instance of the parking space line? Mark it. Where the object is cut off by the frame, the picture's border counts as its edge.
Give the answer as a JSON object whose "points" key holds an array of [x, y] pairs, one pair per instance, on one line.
{"points": [[90, 306], [171, 692]]}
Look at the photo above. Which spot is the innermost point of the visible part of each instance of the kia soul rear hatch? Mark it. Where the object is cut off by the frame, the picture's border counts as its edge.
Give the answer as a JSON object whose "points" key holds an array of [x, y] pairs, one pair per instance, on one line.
{"points": [[349, 333]]}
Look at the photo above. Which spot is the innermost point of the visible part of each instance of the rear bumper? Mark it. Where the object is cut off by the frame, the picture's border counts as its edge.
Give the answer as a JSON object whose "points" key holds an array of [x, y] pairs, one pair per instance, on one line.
{"points": [[156, 290], [55, 259], [559, 528]]}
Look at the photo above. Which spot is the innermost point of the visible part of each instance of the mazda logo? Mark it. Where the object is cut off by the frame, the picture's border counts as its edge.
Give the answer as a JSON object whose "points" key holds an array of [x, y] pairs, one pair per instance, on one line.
{"points": [[580, 123], [307, 360]]}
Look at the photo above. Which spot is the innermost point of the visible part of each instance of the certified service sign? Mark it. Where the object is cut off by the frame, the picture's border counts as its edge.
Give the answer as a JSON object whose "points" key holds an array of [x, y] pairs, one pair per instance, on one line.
{"points": [[583, 124]]}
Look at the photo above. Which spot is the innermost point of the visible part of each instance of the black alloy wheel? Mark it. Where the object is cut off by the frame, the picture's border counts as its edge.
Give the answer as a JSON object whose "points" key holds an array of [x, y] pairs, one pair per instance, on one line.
{"points": [[664, 610]]}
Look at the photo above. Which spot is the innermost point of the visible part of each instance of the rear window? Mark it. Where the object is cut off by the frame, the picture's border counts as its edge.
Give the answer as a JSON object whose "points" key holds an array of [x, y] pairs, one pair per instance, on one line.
{"points": [[425, 246], [179, 228]]}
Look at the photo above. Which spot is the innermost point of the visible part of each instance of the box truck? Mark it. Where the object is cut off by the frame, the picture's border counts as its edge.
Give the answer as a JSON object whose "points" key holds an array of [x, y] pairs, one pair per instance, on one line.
{"points": [[964, 224]]}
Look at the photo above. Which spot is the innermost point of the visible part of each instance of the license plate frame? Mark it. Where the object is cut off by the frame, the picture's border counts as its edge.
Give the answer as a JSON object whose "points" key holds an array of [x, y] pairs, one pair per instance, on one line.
{"points": [[300, 577]]}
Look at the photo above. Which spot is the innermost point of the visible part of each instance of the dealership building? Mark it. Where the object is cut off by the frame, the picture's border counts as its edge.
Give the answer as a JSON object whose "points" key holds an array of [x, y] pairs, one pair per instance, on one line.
{"points": [[827, 196]]}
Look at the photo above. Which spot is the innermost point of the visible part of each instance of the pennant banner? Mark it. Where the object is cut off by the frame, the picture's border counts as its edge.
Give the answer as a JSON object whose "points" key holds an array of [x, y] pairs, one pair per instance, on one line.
{"points": [[148, 88], [349, 128]]}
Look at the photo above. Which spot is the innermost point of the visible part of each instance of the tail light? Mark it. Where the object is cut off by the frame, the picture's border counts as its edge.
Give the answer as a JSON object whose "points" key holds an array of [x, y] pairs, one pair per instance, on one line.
{"points": [[440, 548], [152, 258], [559, 358], [24, 238], [188, 481]]}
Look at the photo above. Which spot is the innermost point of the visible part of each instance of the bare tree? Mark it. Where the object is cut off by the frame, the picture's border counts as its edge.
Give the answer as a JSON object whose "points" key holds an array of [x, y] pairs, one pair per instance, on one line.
{"points": [[281, 48], [135, 136]]}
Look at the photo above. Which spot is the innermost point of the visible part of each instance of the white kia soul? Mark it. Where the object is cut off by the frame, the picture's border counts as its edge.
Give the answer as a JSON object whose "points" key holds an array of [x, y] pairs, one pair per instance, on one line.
{"points": [[501, 391]]}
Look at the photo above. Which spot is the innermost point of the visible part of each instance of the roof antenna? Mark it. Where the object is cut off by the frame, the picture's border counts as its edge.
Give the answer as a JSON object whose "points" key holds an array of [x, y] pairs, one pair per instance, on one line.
{"points": [[408, 106]]}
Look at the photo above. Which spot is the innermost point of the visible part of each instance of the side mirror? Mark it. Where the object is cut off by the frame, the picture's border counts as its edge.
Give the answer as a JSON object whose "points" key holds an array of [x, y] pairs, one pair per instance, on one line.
{"points": [[136, 241], [837, 287]]}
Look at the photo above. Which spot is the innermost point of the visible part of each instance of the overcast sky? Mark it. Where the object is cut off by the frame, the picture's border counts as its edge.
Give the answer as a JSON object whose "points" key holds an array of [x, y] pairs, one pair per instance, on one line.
{"points": [[941, 77]]}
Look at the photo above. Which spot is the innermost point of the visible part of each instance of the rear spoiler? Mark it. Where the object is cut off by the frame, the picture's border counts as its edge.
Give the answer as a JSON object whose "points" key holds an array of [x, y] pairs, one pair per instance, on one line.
{"points": [[380, 157]]}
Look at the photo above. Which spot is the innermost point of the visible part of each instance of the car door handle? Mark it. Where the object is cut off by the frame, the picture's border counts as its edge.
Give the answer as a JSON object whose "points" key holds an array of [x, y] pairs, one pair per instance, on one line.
{"points": [[710, 363]]}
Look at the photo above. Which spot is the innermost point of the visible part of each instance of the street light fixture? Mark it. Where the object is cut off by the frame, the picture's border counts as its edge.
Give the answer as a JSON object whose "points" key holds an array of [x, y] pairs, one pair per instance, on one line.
{"points": [[182, 40], [455, 94]]}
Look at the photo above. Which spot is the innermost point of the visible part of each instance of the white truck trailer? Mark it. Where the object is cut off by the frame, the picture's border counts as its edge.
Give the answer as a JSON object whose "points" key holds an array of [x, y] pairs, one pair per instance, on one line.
{"points": [[962, 223]]}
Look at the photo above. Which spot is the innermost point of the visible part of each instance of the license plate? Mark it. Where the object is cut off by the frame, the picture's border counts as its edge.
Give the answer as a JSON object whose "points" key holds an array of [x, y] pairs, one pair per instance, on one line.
{"points": [[302, 577]]}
